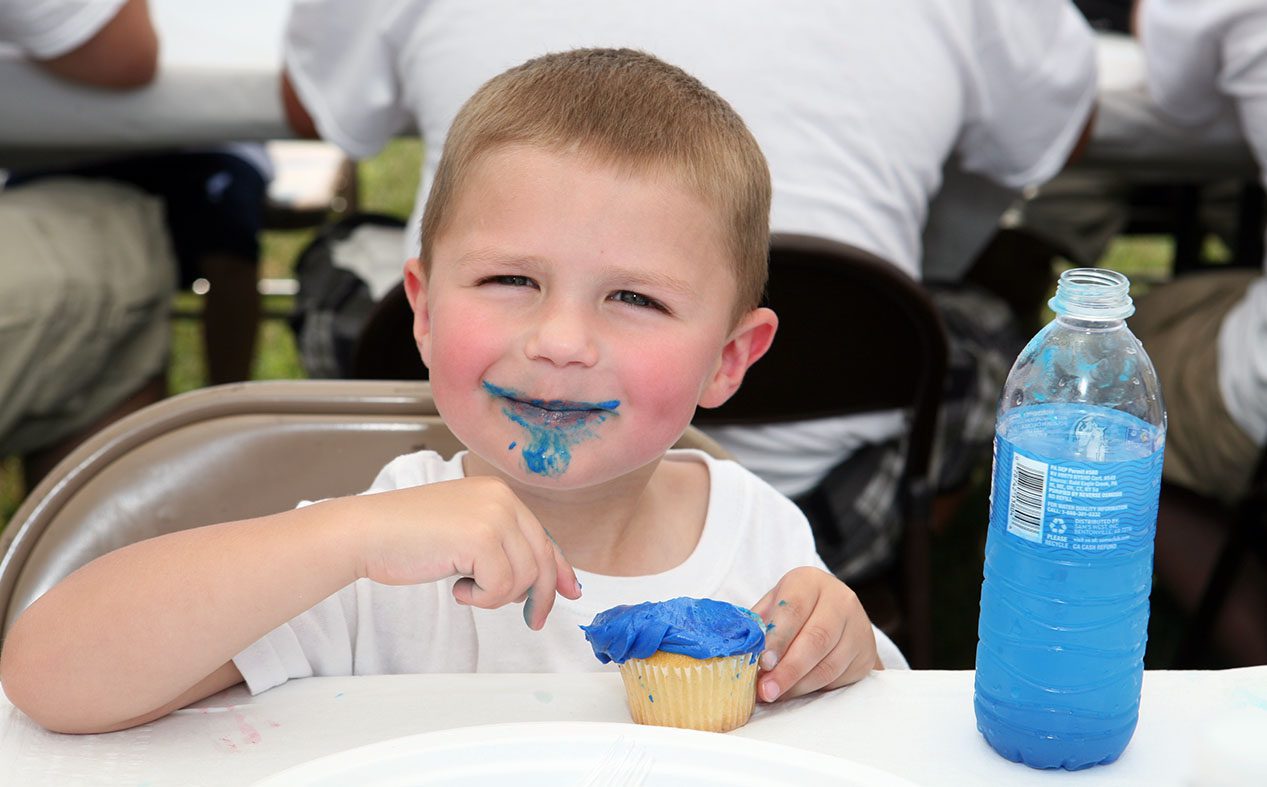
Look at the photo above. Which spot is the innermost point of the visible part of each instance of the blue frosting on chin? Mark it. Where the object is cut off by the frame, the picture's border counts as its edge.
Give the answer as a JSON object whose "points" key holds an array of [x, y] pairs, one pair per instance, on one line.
{"points": [[699, 628]]}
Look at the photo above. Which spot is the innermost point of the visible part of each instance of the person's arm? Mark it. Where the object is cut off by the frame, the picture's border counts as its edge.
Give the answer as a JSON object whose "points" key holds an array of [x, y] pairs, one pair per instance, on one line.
{"points": [[1084, 138], [154, 626], [1183, 43], [122, 54], [296, 113]]}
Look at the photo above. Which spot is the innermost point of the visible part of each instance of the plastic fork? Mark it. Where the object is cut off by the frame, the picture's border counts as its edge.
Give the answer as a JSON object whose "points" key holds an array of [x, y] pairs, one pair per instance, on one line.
{"points": [[626, 763]]}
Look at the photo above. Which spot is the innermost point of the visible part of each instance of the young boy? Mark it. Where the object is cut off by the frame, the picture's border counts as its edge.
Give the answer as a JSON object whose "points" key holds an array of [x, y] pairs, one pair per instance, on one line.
{"points": [[594, 251]]}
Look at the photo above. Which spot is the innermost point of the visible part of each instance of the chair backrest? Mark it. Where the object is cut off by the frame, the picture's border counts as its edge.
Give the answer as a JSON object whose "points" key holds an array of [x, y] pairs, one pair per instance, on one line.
{"points": [[214, 455], [856, 334]]}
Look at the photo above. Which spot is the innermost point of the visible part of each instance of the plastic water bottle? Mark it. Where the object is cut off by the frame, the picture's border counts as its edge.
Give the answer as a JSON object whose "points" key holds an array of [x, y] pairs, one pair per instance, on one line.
{"points": [[1069, 554]]}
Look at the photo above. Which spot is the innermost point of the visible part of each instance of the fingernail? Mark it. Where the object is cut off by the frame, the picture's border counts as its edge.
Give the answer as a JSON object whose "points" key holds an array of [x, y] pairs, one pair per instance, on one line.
{"points": [[770, 690], [769, 660], [578, 584], [528, 609]]}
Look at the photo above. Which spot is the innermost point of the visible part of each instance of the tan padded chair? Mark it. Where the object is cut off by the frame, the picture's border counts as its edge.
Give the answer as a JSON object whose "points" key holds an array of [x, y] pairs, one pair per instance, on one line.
{"points": [[215, 455]]}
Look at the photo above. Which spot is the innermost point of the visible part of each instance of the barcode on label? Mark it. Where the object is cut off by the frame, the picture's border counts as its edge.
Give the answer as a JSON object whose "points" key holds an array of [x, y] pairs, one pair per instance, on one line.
{"points": [[1026, 498]]}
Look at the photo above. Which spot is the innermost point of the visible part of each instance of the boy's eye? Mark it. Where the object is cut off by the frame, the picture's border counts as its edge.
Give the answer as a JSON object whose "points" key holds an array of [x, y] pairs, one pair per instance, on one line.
{"points": [[638, 299], [509, 281]]}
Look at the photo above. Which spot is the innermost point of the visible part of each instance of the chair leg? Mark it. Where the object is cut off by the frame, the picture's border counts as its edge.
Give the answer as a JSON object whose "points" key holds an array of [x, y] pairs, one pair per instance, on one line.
{"points": [[917, 578]]}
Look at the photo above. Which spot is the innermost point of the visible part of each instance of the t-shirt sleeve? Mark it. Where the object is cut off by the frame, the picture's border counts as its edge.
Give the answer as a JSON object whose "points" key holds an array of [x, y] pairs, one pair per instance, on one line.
{"points": [[341, 59], [1032, 92], [1199, 52], [319, 641], [52, 28]]}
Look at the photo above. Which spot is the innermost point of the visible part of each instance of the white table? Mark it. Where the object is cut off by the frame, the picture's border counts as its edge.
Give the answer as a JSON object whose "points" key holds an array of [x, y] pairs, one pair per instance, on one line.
{"points": [[218, 81], [918, 725], [219, 65]]}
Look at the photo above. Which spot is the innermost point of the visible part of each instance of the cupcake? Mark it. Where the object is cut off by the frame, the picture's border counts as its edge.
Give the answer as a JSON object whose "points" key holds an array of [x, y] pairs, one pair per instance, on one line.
{"points": [[687, 662]]}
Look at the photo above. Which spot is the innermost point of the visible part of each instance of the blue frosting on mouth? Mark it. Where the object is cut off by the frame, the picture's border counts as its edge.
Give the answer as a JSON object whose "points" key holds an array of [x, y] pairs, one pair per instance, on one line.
{"points": [[553, 426], [699, 628]]}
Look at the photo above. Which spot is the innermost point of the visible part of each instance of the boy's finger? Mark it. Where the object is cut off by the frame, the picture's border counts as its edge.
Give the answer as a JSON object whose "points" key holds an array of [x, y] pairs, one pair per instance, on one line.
{"points": [[564, 575], [828, 672], [762, 606], [541, 596], [492, 585], [787, 665], [783, 614], [544, 555]]}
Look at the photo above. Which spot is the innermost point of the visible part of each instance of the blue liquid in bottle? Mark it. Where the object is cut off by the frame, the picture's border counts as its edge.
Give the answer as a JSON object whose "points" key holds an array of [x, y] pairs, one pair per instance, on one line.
{"points": [[1068, 560]]}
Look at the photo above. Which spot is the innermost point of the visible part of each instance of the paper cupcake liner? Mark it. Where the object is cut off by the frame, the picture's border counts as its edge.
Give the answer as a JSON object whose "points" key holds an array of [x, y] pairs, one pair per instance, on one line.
{"points": [[670, 690]]}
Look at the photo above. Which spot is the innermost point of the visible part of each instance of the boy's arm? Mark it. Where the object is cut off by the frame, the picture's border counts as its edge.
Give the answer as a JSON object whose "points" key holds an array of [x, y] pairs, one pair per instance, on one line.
{"points": [[133, 633], [153, 626]]}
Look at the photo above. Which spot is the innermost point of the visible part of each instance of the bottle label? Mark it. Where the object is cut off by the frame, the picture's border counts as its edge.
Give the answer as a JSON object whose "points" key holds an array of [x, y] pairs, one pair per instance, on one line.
{"points": [[1090, 503]]}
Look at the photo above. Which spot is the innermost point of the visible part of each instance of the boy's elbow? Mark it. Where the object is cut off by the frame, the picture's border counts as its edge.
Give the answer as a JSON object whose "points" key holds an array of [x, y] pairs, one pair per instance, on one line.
{"points": [[26, 683]]}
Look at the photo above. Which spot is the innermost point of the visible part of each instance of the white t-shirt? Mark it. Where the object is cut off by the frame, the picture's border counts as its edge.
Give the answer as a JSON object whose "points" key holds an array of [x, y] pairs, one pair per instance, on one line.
{"points": [[856, 105], [752, 536], [1201, 55], [50, 28]]}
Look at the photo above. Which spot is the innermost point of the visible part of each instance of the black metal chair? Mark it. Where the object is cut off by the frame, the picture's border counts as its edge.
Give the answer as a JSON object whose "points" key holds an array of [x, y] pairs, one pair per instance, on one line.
{"points": [[856, 335]]}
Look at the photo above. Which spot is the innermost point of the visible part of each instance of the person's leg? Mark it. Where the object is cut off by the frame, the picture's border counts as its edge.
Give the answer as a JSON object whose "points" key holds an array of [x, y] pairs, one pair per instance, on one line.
{"points": [[984, 339], [230, 316], [214, 203], [1190, 538], [87, 279], [215, 206], [1178, 324], [1206, 454]]}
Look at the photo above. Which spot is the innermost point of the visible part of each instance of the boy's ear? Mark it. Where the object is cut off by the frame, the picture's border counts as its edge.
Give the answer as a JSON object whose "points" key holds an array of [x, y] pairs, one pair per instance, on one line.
{"points": [[416, 292], [749, 340]]}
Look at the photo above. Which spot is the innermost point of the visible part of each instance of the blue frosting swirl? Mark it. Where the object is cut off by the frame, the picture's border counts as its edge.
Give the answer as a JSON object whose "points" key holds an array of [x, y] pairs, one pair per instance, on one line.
{"points": [[700, 628]]}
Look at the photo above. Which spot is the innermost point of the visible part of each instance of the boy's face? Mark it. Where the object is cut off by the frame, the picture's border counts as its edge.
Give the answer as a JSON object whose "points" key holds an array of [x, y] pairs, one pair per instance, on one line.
{"points": [[574, 316]]}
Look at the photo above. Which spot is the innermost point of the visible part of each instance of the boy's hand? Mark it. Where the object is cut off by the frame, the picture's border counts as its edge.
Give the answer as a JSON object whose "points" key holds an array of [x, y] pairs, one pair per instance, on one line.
{"points": [[818, 636], [475, 528]]}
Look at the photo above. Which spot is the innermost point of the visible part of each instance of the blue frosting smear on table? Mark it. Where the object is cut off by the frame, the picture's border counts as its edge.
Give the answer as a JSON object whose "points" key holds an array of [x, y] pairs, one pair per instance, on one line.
{"points": [[699, 628]]}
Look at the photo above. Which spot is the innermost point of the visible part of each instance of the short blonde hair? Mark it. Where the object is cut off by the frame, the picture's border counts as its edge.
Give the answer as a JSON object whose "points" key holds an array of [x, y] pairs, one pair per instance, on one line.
{"points": [[627, 108]]}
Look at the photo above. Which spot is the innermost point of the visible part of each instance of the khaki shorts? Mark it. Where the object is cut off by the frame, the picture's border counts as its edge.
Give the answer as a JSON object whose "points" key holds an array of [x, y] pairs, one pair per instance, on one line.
{"points": [[1178, 323], [86, 278]]}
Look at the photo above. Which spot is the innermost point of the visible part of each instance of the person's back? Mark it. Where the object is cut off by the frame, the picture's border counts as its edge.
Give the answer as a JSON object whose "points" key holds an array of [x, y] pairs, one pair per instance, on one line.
{"points": [[856, 105]]}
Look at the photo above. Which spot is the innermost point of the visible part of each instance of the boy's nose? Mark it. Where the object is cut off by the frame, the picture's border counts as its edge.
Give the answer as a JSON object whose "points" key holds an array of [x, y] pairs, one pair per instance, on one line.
{"points": [[562, 337]]}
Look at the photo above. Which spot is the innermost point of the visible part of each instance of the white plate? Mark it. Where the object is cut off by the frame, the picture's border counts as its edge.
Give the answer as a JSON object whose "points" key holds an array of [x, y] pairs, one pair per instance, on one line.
{"points": [[578, 753]]}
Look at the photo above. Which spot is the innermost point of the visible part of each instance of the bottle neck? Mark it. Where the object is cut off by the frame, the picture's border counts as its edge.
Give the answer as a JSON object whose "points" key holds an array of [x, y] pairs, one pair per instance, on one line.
{"points": [[1085, 324], [1092, 298]]}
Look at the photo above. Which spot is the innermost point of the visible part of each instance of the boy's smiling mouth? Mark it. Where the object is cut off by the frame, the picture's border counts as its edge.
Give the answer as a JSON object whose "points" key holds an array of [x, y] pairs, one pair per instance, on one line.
{"points": [[551, 412], [553, 426]]}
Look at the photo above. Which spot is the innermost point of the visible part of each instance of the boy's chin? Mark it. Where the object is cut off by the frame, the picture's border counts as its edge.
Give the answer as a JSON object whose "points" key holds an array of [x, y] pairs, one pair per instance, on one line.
{"points": [[580, 472]]}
